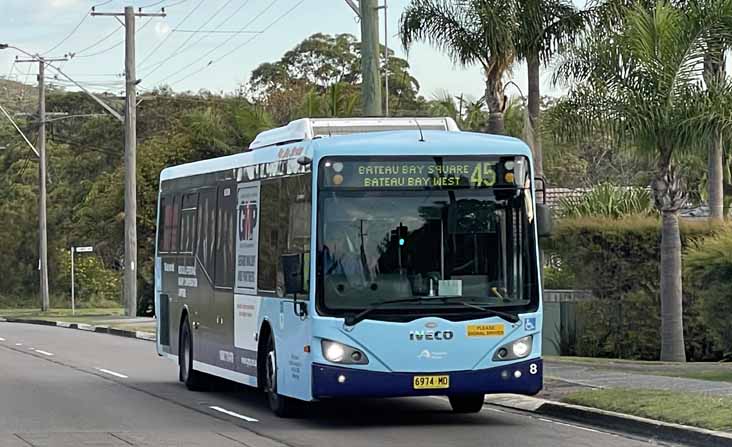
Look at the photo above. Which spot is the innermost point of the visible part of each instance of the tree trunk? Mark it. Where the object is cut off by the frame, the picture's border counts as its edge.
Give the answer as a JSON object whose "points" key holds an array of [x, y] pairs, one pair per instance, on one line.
{"points": [[496, 102], [669, 197], [716, 179], [532, 61], [672, 324], [714, 67]]}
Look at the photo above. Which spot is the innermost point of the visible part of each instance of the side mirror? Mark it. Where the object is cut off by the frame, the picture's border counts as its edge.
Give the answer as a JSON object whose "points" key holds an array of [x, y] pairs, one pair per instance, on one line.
{"points": [[544, 220], [295, 271]]}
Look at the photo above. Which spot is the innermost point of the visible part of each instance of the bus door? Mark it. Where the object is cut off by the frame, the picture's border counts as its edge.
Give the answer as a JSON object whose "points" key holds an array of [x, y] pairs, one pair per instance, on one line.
{"points": [[293, 284]]}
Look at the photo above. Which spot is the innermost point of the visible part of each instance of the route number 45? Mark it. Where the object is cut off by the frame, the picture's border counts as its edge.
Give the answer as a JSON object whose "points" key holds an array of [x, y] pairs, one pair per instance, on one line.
{"points": [[483, 175]]}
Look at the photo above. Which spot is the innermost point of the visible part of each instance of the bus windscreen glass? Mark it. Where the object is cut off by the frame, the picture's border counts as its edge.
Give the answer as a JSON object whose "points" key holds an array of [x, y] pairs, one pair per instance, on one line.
{"points": [[426, 228]]}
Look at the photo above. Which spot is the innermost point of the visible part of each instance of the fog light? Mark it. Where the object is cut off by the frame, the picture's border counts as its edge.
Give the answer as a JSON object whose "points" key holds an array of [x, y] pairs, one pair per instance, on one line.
{"points": [[341, 379], [505, 375], [517, 374]]}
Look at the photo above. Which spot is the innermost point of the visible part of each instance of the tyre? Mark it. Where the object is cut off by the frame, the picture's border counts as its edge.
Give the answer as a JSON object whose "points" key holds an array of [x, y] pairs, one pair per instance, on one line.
{"points": [[280, 405], [194, 380], [467, 403]]}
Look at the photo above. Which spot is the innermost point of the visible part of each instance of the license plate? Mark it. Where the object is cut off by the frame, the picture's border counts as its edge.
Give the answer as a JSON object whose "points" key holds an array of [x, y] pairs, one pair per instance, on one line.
{"points": [[431, 382]]}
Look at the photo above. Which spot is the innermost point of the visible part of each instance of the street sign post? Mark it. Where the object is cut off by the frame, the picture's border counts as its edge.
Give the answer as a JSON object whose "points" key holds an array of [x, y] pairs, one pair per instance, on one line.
{"points": [[73, 294]]}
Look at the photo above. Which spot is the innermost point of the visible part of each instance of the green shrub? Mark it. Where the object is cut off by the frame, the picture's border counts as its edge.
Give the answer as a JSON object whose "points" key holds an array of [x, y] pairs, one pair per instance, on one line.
{"points": [[708, 270], [607, 200], [96, 285], [618, 260]]}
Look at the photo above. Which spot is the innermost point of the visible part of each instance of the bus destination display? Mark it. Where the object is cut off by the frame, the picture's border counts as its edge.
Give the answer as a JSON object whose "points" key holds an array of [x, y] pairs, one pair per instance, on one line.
{"points": [[421, 174]]}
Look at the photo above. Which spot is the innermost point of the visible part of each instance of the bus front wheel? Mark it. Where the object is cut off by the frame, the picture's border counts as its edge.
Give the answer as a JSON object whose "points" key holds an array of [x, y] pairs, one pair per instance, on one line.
{"points": [[282, 406], [467, 403], [193, 379]]}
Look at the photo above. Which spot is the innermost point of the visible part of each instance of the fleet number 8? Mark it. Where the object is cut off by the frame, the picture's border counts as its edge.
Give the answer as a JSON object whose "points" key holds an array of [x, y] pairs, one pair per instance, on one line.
{"points": [[533, 368]]}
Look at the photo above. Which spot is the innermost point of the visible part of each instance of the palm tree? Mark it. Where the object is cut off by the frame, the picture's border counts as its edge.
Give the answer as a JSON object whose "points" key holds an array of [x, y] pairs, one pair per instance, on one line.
{"points": [[714, 71], [470, 32], [544, 27], [641, 84]]}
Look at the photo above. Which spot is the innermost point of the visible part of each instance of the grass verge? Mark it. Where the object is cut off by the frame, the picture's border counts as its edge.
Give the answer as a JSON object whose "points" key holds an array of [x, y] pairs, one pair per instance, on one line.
{"points": [[65, 313], [698, 410], [713, 371]]}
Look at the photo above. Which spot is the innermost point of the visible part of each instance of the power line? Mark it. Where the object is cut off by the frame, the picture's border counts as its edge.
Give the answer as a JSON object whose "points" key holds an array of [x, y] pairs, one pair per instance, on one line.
{"points": [[116, 44], [74, 54], [174, 4], [177, 50], [165, 39], [152, 4], [241, 30], [217, 28], [274, 22], [10, 72], [73, 31]]}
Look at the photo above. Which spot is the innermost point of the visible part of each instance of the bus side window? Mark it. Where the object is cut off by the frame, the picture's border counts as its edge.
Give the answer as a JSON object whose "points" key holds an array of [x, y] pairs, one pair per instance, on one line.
{"points": [[269, 227], [206, 231], [162, 212], [298, 201], [169, 229], [188, 223], [225, 231], [284, 227]]}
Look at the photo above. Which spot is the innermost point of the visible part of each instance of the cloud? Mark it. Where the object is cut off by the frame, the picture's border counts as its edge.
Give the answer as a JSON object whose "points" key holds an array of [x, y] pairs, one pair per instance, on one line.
{"points": [[162, 28], [63, 3]]}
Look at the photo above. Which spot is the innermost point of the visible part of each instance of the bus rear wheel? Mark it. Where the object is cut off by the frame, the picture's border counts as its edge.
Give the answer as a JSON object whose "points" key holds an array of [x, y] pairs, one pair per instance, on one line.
{"points": [[467, 403], [280, 405], [194, 380]]}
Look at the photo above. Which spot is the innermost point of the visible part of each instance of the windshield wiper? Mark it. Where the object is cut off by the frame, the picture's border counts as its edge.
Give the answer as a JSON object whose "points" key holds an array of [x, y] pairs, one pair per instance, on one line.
{"points": [[511, 318], [352, 320]]}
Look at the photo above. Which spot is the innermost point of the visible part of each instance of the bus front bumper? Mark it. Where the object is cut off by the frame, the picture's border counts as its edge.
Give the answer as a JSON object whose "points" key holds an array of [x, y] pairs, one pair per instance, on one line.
{"points": [[335, 381]]}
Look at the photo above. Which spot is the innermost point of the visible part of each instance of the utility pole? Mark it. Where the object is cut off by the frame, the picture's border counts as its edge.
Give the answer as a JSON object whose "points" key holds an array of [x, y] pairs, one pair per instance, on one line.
{"points": [[130, 270], [371, 82], [42, 194]]}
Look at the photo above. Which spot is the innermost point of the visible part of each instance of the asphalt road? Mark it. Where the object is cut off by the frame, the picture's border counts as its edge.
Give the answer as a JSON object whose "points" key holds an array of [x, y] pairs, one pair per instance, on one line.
{"points": [[62, 387]]}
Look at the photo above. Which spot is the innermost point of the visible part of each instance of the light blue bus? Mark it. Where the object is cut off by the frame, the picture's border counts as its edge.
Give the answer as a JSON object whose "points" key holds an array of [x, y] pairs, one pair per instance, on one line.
{"points": [[342, 258]]}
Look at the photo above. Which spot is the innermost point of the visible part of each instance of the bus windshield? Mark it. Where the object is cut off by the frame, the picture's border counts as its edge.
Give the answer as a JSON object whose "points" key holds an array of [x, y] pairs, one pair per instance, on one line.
{"points": [[447, 241]]}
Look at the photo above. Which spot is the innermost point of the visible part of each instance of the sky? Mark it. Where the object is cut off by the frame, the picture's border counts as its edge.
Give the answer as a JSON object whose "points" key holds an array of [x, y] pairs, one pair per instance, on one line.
{"points": [[181, 59]]}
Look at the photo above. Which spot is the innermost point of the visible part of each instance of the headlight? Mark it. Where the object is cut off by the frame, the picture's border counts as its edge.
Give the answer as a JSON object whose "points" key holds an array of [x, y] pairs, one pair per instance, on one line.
{"points": [[515, 350], [339, 353], [522, 347]]}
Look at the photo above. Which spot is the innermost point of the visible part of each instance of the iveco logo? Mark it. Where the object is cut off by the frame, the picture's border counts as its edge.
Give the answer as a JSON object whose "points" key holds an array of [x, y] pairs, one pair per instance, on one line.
{"points": [[430, 335]]}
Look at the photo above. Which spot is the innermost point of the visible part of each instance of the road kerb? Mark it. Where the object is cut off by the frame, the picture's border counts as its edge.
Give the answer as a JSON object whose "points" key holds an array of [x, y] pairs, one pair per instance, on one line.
{"points": [[649, 428], [86, 327]]}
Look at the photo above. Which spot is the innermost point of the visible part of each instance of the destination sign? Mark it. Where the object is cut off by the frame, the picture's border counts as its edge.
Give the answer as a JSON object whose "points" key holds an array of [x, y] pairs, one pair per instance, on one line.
{"points": [[426, 173]]}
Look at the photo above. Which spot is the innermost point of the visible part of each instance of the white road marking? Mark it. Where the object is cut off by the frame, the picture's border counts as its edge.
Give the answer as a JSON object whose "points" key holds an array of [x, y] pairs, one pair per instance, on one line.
{"points": [[44, 352], [19, 344], [2, 339], [236, 415], [112, 373]]}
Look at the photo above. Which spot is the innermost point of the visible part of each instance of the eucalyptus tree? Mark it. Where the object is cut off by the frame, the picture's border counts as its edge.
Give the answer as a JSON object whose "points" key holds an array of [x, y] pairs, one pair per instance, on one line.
{"points": [[641, 83], [470, 32]]}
